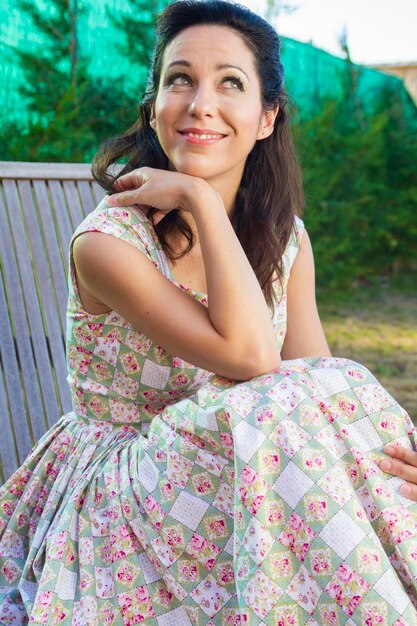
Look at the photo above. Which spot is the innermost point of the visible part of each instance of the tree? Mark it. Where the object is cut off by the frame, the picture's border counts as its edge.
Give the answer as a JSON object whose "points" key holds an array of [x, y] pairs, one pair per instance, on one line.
{"points": [[69, 111], [360, 173], [137, 34], [276, 7]]}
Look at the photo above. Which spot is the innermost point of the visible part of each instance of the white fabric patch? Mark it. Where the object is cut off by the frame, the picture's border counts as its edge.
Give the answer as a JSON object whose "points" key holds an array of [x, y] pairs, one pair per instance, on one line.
{"points": [[148, 474], [207, 419], [73, 526], [389, 588], [154, 375], [342, 534], [150, 573], [27, 590], [292, 484], [364, 435], [329, 381], [66, 584], [247, 440], [177, 617], [188, 510]]}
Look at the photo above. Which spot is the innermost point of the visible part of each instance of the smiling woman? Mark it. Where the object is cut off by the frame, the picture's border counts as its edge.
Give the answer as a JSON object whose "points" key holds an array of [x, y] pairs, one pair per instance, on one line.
{"points": [[219, 467], [226, 109]]}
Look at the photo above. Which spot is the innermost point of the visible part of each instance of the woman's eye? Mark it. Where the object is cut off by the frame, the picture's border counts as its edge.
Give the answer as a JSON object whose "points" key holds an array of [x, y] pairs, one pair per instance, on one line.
{"points": [[178, 80], [232, 82]]}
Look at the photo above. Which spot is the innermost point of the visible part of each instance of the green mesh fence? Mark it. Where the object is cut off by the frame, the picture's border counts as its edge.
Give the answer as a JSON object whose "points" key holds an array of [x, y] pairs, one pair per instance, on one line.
{"points": [[311, 74]]}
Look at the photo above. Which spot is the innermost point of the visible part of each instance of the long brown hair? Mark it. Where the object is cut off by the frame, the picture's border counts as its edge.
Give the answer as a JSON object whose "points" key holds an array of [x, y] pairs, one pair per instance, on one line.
{"points": [[270, 192]]}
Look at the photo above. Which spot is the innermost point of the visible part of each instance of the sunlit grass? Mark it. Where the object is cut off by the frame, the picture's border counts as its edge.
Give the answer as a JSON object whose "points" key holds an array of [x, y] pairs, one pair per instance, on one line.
{"points": [[379, 331]]}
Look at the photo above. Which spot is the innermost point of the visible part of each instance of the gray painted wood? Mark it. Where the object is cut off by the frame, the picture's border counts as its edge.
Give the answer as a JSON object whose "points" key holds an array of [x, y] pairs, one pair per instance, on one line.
{"points": [[45, 171], [43, 381], [8, 449], [58, 268], [54, 335], [15, 344], [40, 205]]}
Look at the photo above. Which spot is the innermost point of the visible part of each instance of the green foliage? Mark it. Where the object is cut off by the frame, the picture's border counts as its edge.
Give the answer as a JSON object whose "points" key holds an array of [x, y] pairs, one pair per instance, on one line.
{"points": [[360, 173], [136, 29], [358, 150], [70, 112]]}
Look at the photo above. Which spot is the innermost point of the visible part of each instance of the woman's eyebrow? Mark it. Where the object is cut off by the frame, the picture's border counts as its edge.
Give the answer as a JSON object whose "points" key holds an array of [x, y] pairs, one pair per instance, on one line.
{"points": [[222, 66]]}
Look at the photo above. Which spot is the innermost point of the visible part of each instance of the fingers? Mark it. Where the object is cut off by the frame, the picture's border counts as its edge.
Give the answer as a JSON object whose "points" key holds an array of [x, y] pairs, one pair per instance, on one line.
{"points": [[402, 454], [409, 491], [403, 463], [125, 198], [131, 180]]}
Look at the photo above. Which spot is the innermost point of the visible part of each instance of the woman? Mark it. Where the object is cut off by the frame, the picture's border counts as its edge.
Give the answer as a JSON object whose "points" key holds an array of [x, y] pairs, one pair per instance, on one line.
{"points": [[173, 496]]}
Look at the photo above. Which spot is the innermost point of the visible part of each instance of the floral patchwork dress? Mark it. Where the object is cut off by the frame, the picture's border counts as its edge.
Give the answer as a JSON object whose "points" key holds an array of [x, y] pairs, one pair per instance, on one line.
{"points": [[171, 496]]}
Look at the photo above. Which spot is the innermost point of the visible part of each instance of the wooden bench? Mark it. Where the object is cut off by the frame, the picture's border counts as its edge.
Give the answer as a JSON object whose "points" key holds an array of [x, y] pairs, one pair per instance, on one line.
{"points": [[40, 206]]}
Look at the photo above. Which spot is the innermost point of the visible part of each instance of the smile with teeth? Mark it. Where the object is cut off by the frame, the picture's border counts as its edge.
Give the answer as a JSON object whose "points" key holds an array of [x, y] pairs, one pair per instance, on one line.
{"points": [[202, 135]]}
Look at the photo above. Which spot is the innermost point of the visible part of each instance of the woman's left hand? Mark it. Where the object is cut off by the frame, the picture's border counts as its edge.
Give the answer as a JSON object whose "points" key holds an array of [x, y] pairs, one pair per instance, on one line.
{"points": [[403, 463]]}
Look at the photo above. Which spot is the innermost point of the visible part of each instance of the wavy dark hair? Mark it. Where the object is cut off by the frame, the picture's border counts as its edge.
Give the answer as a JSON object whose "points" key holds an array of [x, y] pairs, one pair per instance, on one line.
{"points": [[270, 192]]}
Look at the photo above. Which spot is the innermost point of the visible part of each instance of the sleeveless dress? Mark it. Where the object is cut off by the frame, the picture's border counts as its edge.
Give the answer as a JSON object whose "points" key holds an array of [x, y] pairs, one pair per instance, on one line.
{"points": [[171, 496]]}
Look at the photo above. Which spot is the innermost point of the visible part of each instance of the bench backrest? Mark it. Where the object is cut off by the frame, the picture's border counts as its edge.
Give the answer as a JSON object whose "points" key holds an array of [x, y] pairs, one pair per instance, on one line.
{"points": [[40, 206]]}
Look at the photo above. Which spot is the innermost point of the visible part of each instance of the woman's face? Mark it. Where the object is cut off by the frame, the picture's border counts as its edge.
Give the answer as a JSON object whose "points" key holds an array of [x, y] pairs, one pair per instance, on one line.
{"points": [[208, 112]]}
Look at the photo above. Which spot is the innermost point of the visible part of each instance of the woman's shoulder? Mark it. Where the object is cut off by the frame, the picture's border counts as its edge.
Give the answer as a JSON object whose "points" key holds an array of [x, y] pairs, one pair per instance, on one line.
{"points": [[127, 223]]}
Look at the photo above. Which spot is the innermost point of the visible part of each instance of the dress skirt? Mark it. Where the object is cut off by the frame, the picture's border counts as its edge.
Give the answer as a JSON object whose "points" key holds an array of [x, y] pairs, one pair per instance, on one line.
{"points": [[258, 503]]}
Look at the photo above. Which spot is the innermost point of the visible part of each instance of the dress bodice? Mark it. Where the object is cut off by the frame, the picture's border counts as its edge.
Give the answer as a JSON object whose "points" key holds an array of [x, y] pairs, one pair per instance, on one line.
{"points": [[115, 372]]}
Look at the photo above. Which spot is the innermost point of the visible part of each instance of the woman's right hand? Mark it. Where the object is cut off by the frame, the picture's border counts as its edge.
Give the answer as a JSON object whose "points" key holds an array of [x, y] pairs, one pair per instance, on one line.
{"points": [[162, 190]]}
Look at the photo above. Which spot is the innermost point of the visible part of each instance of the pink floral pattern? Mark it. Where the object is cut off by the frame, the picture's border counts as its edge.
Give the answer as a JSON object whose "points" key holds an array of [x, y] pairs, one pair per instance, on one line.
{"points": [[172, 496]]}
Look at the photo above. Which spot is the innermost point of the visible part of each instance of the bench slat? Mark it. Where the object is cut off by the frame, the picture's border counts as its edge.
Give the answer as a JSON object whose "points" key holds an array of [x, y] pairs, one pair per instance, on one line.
{"points": [[40, 206], [87, 201], [64, 229], [36, 327], [54, 252], [50, 310], [45, 171], [73, 202], [8, 450], [14, 387], [98, 193]]}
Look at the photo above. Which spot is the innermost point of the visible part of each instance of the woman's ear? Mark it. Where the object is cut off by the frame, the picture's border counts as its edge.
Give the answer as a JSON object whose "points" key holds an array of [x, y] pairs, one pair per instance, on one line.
{"points": [[152, 119], [267, 123]]}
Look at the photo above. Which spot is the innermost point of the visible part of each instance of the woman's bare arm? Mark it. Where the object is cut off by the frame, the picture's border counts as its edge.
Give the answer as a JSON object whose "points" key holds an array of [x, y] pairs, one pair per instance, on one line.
{"points": [[234, 336]]}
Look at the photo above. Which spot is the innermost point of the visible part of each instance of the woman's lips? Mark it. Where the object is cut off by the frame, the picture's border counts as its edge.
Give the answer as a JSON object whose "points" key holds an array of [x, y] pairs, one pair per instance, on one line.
{"points": [[200, 137]]}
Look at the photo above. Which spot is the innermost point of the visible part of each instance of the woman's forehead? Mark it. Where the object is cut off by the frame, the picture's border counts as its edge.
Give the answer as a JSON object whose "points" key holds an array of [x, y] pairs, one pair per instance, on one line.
{"points": [[210, 44]]}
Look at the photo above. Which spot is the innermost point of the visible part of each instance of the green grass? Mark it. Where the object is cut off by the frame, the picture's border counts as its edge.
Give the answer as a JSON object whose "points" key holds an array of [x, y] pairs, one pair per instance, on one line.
{"points": [[380, 331]]}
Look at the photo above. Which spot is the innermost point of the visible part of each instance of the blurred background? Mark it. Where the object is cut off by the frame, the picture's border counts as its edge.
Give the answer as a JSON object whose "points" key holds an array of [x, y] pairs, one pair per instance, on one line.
{"points": [[73, 73]]}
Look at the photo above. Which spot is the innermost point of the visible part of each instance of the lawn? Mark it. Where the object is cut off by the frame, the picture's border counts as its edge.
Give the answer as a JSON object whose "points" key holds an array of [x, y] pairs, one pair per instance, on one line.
{"points": [[380, 331]]}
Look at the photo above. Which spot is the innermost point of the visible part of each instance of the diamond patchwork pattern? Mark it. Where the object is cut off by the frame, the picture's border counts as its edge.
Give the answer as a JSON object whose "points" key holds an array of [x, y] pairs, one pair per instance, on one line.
{"points": [[342, 534], [171, 496]]}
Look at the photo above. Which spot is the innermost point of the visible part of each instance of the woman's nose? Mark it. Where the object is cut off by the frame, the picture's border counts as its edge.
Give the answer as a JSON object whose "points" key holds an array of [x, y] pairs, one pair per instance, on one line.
{"points": [[203, 102]]}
